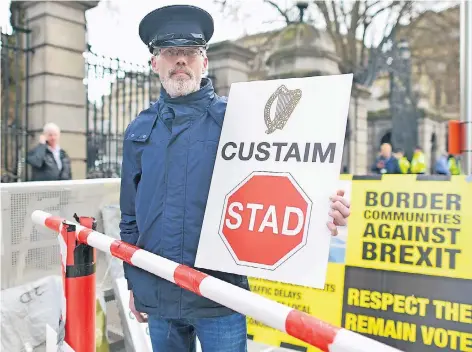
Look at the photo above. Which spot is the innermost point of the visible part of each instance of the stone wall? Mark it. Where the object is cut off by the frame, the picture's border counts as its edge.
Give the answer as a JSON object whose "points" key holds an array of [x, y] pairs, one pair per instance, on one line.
{"points": [[359, 136], [228, 63]]}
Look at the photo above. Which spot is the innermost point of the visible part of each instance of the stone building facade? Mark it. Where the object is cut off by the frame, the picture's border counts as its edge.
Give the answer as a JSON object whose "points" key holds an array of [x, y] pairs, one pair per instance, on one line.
{"points": [[433, 39]]}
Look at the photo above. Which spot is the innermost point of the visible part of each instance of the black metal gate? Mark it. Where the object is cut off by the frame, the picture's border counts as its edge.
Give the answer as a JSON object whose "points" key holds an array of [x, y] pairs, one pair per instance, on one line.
{"points": [[116, 91], [15, 56]]}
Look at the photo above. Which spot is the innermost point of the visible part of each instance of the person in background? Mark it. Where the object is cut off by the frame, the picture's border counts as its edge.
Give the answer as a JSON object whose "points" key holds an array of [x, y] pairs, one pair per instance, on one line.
{"points": [[418, 162], [403, 162], [441, 167], [48, 160], [386, 163], [454, 165]]}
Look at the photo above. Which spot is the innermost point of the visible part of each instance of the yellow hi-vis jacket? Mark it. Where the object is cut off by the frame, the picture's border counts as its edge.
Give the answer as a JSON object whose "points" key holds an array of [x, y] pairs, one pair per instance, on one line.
{"points": [[454, 166], [418, 163], [404, 165]]}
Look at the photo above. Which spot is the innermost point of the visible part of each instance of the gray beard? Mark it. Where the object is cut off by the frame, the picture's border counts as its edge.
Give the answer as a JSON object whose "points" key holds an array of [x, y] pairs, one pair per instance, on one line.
{"points": [[181, 87]]}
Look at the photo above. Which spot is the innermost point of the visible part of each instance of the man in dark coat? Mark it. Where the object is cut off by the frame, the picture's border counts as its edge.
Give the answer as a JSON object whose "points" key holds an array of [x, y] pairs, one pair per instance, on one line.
{"points": [[49, 161], [169, 152], [386, 163]]}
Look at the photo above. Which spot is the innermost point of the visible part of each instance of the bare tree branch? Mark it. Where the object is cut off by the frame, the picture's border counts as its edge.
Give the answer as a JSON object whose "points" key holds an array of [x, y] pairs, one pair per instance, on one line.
{"points": [[352, 42], [348, 25], [333, 29], [370, 16], [365, 25], [283, 13]]}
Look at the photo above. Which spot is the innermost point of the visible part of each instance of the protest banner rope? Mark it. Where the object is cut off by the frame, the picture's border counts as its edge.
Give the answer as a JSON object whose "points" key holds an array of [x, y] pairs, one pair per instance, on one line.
{"points": [[326, 337]]}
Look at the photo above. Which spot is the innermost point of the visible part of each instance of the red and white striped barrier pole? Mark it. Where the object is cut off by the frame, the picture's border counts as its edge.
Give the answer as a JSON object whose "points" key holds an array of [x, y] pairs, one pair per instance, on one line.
{"points": [[326, 337]]}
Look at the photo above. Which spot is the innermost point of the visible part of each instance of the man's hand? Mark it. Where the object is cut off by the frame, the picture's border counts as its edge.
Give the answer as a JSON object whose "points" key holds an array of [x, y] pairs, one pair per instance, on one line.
{"points": [[141, 317], [42, 139], [340, 211]]}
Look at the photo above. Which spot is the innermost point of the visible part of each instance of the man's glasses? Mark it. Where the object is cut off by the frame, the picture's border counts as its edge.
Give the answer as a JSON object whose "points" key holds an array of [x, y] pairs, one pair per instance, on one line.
{"points": [[175, 52]]}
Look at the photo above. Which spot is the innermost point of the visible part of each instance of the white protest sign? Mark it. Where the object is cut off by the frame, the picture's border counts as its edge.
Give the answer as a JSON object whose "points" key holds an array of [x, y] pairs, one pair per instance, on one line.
{"points": [[278, 161]]}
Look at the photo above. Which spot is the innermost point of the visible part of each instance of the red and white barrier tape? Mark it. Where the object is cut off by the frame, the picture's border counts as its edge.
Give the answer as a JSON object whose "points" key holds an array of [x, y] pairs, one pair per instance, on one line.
{"points": [[305, 327]]}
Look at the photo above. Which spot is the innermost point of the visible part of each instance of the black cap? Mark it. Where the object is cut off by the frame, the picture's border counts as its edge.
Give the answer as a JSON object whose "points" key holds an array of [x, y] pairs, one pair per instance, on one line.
{"points": [[176, 25]]}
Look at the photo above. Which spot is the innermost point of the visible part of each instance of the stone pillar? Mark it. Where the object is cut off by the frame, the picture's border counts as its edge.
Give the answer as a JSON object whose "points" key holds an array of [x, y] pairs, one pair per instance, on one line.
{"points": [[56, 73], [359, 164], [228, 63], [441, 128], [427, 126]]}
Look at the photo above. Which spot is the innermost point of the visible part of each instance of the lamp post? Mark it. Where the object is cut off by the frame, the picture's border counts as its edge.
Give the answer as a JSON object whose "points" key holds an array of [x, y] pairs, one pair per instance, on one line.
{"points": [[394, 57], [402, 101], [466, 81], [302, 6]]}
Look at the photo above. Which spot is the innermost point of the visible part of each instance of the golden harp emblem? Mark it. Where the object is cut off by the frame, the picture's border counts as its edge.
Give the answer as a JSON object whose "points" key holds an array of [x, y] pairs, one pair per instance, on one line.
{"points": [[286, 103]]}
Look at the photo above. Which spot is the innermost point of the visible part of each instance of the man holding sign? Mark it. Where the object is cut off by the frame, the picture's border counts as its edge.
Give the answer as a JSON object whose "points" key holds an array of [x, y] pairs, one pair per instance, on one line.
{"points": [[169, 153]]}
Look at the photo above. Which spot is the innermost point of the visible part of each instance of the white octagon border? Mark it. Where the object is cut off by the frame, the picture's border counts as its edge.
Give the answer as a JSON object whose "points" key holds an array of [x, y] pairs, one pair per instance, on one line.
{"points": [[305, 231]]}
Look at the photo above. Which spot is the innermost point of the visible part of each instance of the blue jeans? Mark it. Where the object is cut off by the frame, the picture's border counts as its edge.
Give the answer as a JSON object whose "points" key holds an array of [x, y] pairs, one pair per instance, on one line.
{"points": [[219, 334]]}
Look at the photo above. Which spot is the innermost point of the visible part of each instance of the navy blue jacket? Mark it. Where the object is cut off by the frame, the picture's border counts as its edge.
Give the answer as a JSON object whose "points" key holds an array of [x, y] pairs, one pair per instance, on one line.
{"points": [[169, 152]]}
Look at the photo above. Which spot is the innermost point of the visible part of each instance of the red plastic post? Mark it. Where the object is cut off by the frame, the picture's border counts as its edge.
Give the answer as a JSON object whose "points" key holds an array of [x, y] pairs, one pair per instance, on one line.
{"points": [[79, 289], [456, 139]]}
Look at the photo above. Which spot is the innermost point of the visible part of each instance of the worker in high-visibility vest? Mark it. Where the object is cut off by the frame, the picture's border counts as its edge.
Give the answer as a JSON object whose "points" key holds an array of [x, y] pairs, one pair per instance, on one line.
{"points": [[418, 162], [403, 161], [454, 165]]}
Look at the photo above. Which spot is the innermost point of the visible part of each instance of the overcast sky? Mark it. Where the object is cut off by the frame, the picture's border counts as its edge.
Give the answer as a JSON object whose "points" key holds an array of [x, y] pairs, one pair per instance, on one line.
{"points": [[113, 24], [125, 40]]}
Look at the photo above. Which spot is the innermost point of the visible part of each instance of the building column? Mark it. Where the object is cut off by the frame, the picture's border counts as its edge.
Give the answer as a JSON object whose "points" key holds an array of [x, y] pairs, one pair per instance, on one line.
{"points": [[228, 63], [56, 73], [359, 163]]}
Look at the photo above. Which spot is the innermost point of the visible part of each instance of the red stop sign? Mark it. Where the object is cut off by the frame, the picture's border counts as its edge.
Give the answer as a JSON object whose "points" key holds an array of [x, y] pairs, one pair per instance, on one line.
{"points": [[265, 219]]}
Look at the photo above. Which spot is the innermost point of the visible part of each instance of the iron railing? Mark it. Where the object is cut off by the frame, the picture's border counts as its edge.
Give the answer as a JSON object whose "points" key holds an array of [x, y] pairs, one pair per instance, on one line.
{"points": [[15, 62], [116, 91]]}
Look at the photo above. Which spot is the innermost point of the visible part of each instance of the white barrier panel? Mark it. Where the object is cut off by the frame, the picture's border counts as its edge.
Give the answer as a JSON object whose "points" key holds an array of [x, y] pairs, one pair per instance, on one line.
{"points": [[307, 328], [26, 310], [30, 252]]}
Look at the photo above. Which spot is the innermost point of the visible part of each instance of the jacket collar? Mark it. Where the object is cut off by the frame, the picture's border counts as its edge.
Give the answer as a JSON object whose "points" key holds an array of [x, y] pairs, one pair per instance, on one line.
{"points": [[196, 102]]}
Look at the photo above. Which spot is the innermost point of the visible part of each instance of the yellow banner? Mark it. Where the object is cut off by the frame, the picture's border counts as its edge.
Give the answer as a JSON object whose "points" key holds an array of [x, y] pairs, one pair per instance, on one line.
{"points": [[404, 274]]}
